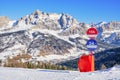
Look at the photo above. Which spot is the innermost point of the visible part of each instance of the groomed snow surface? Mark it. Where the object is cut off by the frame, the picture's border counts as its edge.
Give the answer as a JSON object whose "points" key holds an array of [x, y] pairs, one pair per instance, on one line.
{"points": [[44, 74]]}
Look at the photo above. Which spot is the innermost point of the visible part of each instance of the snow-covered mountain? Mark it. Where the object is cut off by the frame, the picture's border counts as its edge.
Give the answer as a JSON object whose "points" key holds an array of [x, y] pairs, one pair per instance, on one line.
{"points": [[109, 32], [51, 36], [44, 36]]}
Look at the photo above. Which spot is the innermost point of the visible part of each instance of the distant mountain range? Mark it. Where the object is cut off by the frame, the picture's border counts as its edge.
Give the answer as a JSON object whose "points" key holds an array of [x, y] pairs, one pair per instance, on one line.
{"points": [[52, 37]]}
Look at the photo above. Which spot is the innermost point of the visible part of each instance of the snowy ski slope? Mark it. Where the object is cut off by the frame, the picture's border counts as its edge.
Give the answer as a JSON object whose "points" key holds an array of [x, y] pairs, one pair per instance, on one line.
{"points": [[44, 74]]}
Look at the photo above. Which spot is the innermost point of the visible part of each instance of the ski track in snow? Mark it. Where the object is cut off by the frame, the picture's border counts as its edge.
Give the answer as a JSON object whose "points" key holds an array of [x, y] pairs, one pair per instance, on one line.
{"points": [[44, 74]]}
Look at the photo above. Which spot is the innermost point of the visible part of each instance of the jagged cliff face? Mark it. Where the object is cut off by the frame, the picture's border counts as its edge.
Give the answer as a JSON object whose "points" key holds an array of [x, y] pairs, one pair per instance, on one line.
{"points": [[54, 21], [41, 34], [109, 32], [41, 20], [109, 26]]}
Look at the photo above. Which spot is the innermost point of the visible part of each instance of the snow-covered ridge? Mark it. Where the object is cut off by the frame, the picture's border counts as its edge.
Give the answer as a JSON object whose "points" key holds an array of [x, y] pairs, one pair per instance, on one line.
{"points": [[108, 32]]}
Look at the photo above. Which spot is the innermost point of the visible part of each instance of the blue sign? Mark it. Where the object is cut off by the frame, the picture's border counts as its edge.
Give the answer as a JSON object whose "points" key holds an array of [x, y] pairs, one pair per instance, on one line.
{"points": [[91, 45]]}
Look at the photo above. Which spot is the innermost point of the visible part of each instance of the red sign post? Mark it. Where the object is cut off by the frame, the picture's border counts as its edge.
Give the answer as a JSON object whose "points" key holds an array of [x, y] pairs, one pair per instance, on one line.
{"points": [[86, 62]]}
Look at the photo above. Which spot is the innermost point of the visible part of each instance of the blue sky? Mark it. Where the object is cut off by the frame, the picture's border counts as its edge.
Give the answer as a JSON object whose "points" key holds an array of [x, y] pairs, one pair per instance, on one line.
{"points": [[83, 10]]}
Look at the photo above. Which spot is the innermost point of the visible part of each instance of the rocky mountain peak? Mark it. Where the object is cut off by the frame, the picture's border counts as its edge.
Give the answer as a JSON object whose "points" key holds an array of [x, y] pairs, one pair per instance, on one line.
{"points": [[51, 21], [67, 21], [4, 21], [37, 12], [114, 25], [110, 26]]}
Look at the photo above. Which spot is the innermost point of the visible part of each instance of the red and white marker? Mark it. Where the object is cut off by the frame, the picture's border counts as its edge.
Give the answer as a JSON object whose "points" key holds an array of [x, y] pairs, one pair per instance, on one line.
{"points": [[92, 32]]}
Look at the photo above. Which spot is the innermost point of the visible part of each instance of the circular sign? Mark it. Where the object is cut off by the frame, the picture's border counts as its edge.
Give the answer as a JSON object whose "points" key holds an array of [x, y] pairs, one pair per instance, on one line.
{"points": [[91, 45], [92, 32]]}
